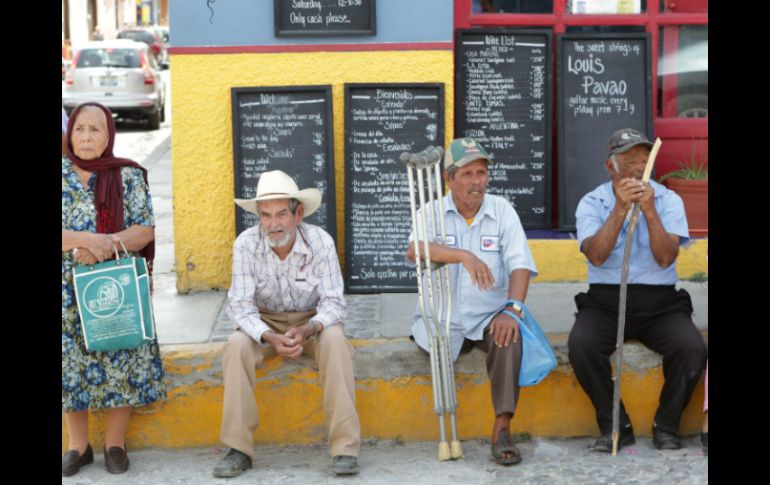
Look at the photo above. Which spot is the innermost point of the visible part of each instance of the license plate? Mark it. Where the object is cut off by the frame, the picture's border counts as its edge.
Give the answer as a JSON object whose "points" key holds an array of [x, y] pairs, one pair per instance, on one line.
{"points": [[109, 81]]}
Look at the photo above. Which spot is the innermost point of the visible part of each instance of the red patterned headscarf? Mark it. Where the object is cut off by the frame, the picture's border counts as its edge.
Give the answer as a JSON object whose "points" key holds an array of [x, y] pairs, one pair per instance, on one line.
{"points": [[109, 183]]}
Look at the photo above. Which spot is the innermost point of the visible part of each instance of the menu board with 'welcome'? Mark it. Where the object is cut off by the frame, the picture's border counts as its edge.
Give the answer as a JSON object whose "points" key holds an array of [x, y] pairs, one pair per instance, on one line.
{"points": [[288, 129]]}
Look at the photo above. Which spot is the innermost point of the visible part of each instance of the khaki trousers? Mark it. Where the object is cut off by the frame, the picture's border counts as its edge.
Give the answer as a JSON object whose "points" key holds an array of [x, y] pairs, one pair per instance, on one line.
{"points": [[334, 358]]}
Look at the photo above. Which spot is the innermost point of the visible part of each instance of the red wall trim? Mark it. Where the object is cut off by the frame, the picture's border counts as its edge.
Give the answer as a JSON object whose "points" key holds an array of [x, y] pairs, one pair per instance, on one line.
{"points": [[247, 49], [547, 19], [654, 31], [487, 19], [682, 19], [462, 13]]}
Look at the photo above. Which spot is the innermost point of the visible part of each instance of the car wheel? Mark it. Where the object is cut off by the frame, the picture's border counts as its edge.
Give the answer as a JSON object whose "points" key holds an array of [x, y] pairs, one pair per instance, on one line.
{"points": [[163, 113], [153, 120]]}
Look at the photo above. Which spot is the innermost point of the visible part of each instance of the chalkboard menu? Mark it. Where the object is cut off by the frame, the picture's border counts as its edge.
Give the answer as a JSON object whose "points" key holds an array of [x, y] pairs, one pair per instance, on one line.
{"points": [[289, 129], [381, 122], [503, 101], [314, 18], [604, 84]]}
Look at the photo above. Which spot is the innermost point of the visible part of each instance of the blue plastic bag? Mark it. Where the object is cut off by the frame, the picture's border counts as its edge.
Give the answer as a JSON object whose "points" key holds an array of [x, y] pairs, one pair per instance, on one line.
{"points": [[537, 358]]}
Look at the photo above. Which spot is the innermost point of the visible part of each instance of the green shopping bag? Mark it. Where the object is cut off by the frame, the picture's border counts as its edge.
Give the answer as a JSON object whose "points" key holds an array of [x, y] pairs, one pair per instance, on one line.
{"points": [[114, 303]]}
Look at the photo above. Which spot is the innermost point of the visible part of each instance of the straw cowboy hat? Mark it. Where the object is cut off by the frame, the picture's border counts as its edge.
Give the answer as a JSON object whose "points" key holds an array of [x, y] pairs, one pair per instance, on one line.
{"points": [[277, 185]]}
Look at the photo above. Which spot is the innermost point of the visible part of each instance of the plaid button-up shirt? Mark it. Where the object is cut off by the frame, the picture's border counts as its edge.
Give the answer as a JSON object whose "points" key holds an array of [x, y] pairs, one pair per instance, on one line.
{"points": [[309, 278]]}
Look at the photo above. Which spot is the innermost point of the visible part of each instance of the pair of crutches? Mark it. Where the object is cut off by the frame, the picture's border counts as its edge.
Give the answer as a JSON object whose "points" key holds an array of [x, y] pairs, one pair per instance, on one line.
{"points": [[427, 164]]}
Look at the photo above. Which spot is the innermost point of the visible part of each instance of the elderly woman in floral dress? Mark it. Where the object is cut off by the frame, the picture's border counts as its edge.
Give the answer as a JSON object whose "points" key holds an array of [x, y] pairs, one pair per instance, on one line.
{"points": [[104, 200]]}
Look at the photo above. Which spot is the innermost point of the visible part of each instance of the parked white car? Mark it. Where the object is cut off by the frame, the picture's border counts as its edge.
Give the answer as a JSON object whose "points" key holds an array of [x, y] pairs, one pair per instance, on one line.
{"points": [[120, 74]]}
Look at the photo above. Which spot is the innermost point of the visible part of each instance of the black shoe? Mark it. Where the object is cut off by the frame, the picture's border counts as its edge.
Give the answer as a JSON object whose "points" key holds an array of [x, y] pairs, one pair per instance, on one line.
{"points": [[344, 465], [72, 461], [232, 464], [604, 443], [116, 460], [704, 439], [663, 440]]}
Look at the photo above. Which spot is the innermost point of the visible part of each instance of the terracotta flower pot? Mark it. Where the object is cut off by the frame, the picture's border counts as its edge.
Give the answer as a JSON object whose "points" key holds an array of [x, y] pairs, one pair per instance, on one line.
{"points": [[695, 195]]}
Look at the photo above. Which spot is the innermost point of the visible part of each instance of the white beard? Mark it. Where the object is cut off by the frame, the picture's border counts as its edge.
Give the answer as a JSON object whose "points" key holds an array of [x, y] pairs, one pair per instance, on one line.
{"points": [[279, 243]]}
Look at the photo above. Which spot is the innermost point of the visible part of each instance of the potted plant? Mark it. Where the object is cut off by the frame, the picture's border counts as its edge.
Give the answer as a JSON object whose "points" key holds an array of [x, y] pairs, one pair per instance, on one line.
{"points": [[690, 182]]}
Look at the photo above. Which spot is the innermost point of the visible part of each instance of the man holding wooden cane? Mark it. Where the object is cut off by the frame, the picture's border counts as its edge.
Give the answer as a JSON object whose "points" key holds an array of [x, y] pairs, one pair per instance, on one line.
{"points": [[657, 314]]}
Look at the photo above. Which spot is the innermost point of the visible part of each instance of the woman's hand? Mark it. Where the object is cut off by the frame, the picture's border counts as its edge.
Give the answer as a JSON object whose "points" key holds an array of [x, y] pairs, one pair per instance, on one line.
{"points": [[84, 256], [100, 245]]}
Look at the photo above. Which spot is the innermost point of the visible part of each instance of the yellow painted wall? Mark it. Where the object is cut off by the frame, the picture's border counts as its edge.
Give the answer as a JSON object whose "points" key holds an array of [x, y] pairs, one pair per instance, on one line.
{"points": [[561, 260], [202, 150], [400, 408]]}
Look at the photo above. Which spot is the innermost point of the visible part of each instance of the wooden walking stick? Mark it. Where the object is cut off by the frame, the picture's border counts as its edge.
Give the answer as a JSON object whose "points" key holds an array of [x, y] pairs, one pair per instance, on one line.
{"points": [[622, 304]]}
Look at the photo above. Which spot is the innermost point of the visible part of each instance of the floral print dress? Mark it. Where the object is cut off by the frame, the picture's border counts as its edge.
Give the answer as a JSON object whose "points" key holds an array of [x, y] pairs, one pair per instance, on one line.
{"points": [[90, 380]]}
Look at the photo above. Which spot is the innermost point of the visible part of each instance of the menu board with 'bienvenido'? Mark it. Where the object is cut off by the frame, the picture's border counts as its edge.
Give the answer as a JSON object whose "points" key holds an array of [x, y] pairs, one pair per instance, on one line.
{"points": [[381, 122], [604, 84], [503, 101], [288, 129]]}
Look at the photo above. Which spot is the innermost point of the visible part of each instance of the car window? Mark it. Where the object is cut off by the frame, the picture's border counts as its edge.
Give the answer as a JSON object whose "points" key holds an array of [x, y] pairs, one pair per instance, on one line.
{"points": [[137, 35], [108, 57]]}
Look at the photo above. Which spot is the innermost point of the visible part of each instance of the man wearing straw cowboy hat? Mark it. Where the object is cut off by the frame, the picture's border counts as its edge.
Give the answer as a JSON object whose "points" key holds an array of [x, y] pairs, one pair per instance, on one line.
{"points": [[485, 236], [286, 299], [656, 314]]}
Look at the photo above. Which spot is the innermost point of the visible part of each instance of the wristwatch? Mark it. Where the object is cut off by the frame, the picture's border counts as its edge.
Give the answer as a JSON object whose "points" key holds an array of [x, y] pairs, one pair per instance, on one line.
{"points": [[516, 306]]}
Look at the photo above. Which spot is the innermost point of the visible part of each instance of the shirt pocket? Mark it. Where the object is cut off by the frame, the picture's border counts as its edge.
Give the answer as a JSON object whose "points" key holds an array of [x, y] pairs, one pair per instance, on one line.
{"points": [[494, 260], [305, 288], [264, 289]]}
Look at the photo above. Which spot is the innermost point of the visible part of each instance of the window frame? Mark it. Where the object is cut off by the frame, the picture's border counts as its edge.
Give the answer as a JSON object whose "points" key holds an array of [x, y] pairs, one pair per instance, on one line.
{"points": [[652, 20]]}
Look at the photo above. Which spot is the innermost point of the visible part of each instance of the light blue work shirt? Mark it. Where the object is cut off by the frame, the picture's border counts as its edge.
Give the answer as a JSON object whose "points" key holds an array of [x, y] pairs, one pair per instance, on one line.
{"points": [[497, 238], [593, 211]]}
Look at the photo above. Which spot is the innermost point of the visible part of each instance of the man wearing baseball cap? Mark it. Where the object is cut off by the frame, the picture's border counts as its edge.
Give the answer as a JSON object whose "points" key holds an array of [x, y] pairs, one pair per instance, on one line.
{"points": [[286, 299], [657, 314], [490, 280]]}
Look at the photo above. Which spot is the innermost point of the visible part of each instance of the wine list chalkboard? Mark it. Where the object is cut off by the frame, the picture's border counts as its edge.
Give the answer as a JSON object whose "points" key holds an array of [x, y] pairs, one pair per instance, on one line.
{"points": [[604, 84], [288, 129], [316, 18], [503, 101], [381, 122]]}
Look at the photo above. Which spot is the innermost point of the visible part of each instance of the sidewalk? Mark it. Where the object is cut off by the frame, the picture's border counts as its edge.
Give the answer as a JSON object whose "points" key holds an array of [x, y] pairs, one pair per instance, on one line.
{"points": [[545, 461]]}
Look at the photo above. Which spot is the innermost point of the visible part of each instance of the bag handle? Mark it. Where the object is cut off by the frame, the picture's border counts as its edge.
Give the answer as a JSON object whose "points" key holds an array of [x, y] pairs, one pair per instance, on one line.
{"points": [[125, 251], [117, 254], [115, 248]]}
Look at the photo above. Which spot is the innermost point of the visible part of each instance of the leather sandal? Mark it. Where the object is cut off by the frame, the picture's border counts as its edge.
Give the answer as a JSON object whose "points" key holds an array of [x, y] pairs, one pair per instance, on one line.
{"points": [[504, 446]]}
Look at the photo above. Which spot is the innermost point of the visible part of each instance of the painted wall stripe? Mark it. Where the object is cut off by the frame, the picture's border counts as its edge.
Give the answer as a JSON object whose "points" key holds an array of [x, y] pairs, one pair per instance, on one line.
{"points": [[248, 49]]}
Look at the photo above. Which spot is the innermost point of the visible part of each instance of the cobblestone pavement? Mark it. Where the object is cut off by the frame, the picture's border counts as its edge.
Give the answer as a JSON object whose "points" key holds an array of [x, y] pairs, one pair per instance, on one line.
{"points": [[545, 461]]}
